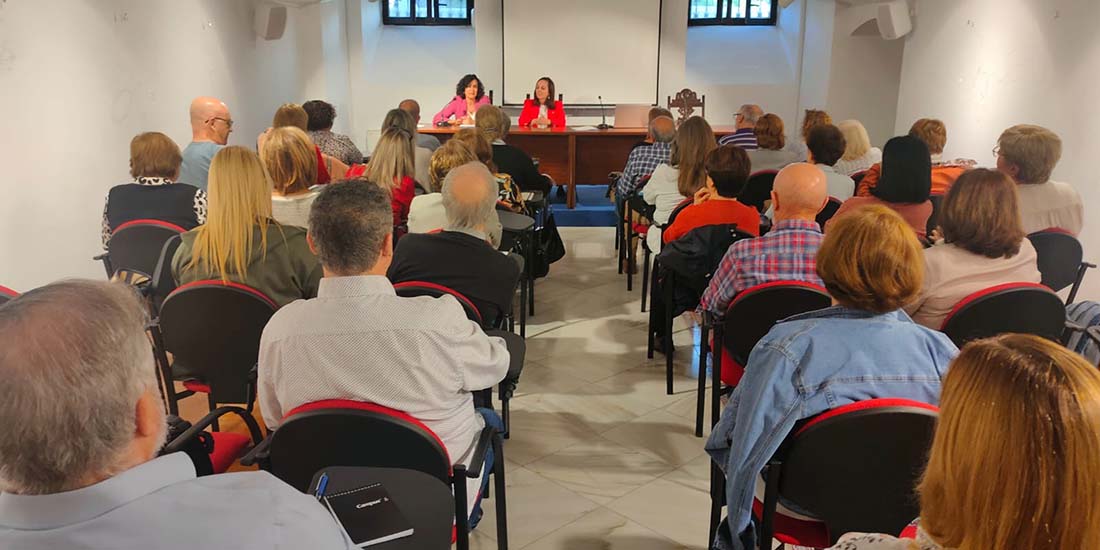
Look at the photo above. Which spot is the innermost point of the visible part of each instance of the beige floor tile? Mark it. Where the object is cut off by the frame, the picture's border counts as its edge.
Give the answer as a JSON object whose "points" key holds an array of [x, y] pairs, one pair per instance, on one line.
{"points": [[536, 434], [600, 470], [662, 434], [671, 509], [604, 530], [536, 508]]}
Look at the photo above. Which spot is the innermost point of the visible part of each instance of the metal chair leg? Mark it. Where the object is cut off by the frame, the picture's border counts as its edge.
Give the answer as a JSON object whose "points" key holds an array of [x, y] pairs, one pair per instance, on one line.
{"points": [[502, 506], [700, 396], [717, 493], [630, 259], [645, 276], [669, 285]]}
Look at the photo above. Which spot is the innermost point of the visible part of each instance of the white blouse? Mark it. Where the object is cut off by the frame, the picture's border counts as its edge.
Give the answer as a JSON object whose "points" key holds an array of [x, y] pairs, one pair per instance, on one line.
{"points": [[872, 157]]}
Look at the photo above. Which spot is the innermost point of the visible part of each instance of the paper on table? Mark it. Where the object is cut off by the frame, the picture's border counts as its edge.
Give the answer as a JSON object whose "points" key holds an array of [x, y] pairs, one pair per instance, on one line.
{"points": [[584, 128], [466, 126]]}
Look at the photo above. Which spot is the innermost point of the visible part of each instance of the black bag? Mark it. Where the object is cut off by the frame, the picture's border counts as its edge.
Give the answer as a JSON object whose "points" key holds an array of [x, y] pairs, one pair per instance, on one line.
{"points": [[198, 448], [549, 247]]}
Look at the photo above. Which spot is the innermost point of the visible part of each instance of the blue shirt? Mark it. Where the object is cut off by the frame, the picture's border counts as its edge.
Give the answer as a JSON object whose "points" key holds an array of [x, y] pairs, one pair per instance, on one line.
{"points": [[806, 365], [642, 162], [196, 162], [161, 504], [744, 138]]}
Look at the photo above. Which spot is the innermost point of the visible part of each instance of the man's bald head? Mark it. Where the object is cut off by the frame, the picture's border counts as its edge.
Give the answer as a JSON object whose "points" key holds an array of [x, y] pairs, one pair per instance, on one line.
{"points": [[412, 107], [210, 120], [748, 114], [662, 129], [469, 196], [800, 192]]}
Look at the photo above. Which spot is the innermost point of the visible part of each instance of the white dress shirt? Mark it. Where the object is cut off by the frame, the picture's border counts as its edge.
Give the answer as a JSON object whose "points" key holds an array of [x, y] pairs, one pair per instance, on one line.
{"points": [[839, 185], [161, 504], [1050, 204], [358, 340]]}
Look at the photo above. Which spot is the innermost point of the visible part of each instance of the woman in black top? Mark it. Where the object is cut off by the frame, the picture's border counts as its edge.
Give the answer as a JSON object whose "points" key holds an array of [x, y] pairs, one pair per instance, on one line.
{"points": [[508, 159], [154, 164]]}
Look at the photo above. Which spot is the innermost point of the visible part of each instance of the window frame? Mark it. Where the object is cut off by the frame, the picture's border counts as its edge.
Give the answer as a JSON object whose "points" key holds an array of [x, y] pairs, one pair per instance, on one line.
{"points": [[431, 20], [720, 20]]}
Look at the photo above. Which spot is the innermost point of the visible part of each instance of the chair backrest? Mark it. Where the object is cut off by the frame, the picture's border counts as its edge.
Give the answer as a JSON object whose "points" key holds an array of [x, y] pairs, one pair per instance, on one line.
{"points": [[136, 245], [858, 177], [855, 467], [758, 190], [676, 211], [340, 432], [755, 310], [6, 294], [1025, 308], [829, 211], [934, 219], [1059, 257], [685, 102], [411, 289], [560, 97], [214, 328]]}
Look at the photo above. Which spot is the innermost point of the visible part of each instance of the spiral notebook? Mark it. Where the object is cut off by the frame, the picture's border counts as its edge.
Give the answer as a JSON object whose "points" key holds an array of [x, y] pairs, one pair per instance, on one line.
{"points": [[368, 515]]}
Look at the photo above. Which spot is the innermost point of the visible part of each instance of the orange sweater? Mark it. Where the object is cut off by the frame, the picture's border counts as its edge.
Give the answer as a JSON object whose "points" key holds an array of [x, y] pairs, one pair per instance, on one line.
{"points": [[943, 175], [714, 212]]}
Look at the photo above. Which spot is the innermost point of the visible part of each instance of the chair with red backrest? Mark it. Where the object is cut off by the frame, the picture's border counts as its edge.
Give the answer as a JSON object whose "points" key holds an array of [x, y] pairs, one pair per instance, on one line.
{"points": [[1060, 259], [626, 228], [6, 294], [136, 246], [856, 178], [219, 449], [829, 211], [749, 316], [1024, 308], [340, 432], [854, 468], [758, 190], [214, 328]]}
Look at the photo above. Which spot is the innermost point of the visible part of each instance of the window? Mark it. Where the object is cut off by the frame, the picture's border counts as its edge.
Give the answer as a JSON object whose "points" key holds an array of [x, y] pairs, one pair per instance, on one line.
{"points": [[426, 12], [732, 12]]}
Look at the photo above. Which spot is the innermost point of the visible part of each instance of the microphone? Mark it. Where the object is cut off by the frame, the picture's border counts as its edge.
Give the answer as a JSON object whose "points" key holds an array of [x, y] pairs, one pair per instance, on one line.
{"points": [[603, 115]]}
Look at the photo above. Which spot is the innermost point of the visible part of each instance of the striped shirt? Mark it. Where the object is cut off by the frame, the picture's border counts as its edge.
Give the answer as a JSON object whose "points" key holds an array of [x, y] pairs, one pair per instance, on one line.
{"points": [[787, 253], [744, 138], [642, 162]]}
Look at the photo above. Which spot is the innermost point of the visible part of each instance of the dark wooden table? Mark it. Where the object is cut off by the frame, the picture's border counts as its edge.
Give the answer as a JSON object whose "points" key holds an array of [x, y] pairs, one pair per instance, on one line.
{"points": [[573, 156]]}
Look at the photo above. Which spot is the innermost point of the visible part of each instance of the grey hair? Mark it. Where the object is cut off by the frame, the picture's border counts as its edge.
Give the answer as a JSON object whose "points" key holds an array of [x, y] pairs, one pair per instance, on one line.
{"points": [[348, 224], [660, 136], [750, 112], [465, 214], [75, 361]]}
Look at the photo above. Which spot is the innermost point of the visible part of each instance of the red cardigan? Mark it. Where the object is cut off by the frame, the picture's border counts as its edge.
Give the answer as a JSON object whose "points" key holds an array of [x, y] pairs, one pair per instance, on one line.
{"points": [[531, 112]]}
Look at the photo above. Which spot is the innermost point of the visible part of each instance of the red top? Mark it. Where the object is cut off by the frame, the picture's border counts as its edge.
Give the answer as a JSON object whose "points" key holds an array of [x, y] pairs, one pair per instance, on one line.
{"points": [[402, 194], [556, 114], [714, 212], [323, 176]]}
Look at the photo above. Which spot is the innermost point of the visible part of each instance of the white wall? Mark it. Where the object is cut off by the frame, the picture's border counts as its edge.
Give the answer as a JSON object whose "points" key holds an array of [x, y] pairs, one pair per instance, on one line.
{"points": [[984, 65], [79, 78]]}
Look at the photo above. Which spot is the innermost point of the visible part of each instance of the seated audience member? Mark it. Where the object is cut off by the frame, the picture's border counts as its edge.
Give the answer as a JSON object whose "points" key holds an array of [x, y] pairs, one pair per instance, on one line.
{"points": [[787, 252], [426, 141], [644, 159], [904, 187], [864, 347], [84, 424], [983, 245], [858, 156], [338, 146], [240, 242], [727, 170], [360, 341], [508, 159], [944, 173], [155, 166], [478, 142], [391, 166], [469, 97], [812, 118], [1014, 462], [211, 124], [826, 146], [684, 174], [1029, 154], [771, 152], [652, 114], [422, 156], [461, 256], [427, 213], [543, 109], [288, 157], [745, 120], [292, 114]]}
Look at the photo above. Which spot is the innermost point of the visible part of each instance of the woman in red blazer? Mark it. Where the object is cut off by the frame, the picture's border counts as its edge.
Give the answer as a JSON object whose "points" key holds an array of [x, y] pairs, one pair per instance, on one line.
{"points": [[543, 111]]}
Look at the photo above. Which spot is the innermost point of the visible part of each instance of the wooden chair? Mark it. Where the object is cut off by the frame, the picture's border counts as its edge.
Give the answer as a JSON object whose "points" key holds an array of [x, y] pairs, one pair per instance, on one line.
{"points": [[560, 98], [685, 102]]}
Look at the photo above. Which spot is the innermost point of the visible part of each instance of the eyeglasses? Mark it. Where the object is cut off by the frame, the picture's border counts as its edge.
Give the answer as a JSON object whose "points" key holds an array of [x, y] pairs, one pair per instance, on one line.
{"points": [[997, 151], [228, 122]]}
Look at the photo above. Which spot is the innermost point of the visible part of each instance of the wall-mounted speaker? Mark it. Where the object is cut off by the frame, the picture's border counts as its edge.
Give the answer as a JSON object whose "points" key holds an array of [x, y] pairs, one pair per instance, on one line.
{"points": [[893, 19], [270, 21]]}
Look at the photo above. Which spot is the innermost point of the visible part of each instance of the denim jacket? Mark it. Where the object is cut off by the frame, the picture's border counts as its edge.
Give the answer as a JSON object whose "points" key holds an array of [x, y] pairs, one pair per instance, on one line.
{"points": [[806, 365]]}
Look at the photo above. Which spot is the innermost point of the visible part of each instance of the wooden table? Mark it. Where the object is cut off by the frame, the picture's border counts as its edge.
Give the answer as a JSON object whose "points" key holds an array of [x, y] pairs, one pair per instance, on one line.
{"points": [[573, 156]]}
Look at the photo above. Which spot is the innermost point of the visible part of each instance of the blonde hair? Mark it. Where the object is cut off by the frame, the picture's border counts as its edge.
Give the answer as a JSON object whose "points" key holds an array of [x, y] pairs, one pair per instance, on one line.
{"points": [[769, 132], [871, 260], [694, 141], [290, 160], [450, 155], [814, 118], [291, 114], [493, 121], [932, 132], [479, 145], [1033, 149], [1015, 460], [392, 159], [856, 139], [154, 155], [239, 195]]}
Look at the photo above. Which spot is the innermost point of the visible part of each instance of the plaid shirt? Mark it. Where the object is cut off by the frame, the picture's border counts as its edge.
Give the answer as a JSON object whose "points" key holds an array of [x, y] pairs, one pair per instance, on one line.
{"points": [[641, 163], [787, 253]]}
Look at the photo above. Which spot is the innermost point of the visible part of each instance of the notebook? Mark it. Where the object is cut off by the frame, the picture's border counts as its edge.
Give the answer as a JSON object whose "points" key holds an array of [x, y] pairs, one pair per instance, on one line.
{"points": [[368, 515]]}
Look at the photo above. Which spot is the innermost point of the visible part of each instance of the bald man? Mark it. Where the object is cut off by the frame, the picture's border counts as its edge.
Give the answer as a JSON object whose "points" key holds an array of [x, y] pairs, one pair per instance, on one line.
{"points": [[787, 253], [426, 141], [745, 136], [644, 160], [210, 128]]}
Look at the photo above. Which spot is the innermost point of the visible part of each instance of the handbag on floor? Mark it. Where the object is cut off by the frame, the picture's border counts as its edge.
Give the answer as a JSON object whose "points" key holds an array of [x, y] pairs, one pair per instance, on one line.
{"points": [[549, 247]]}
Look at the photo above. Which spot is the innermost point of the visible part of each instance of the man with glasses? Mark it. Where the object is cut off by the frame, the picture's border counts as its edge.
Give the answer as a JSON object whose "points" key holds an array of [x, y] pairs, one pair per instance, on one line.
{"points": [[210, 128]]}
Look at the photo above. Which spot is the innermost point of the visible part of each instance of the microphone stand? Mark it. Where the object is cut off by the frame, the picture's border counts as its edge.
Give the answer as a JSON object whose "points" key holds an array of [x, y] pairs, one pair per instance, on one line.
{"points": [[603, 115]]}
